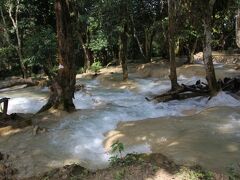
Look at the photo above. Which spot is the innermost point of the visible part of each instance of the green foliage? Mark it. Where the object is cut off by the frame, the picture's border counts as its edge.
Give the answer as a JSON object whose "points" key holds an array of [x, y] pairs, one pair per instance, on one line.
{"points": [[8, 63], [238, 2], [100, 24], [127, 160], [40, 48], [99, 42], [96, 66], [233, 172], [117, 147], [117, 159], [6, 51]]}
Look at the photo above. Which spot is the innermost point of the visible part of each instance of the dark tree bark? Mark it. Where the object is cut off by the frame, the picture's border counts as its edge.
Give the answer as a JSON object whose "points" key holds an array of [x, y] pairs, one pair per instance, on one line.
{"points": [[85, 50], [6, 34], [238, 28], [82, 34], [123, 52], [171, 40], [191, 50], [62, 89], [148, 39], [207, 50], [123, 40]]}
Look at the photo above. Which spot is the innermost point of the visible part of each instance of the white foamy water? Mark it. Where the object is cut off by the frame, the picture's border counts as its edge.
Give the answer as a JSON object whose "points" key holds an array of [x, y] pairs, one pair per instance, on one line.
{"points": [[27, 100], [80, 135], [109, 107]]}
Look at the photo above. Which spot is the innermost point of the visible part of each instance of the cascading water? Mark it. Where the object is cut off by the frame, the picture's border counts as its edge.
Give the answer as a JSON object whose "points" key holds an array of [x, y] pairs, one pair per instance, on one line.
{"points": [[78, 137]]}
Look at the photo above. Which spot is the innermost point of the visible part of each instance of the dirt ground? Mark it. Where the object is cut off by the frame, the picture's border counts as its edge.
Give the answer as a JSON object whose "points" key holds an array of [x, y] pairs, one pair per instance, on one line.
{"points": [[143, 167], [13, 123]]}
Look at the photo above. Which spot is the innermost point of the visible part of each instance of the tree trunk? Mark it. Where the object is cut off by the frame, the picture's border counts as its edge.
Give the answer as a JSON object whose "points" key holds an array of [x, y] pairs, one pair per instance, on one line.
{"points": [[123, 52], [19, 42], [171, 41], [62, 89], [238, 29], [86, 56], [146, 46], [148, 39], [5, 27], [136, 37], [207, 50], [191, 52]]}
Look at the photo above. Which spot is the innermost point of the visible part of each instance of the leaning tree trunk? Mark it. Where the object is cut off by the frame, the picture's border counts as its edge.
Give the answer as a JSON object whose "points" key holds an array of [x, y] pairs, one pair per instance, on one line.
{"points": [[207, 50], [123, 52], [136, 37], [238, 29], [62, 89], [171, 41]]}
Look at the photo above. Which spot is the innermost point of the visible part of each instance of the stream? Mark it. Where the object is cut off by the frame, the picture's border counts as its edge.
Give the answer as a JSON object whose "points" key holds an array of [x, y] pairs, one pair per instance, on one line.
{"points": [[84, 136]]}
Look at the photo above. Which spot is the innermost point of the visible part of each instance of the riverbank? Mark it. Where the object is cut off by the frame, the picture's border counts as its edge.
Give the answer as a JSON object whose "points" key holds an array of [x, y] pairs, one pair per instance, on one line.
{"points": [[133, 166]]}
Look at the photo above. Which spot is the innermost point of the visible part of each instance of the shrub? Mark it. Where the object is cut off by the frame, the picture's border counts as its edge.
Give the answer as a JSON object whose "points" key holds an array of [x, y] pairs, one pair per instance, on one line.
{"points": [[96, 66]]}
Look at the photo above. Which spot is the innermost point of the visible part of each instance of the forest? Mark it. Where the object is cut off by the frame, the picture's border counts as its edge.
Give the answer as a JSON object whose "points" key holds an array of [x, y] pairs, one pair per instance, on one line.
{"points": [[120, 89]]}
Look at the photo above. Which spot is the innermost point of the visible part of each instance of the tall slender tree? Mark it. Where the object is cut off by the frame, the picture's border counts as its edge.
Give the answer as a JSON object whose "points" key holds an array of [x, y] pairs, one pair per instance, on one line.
{"points": [[207, 49], [123, 39], [13, 11], [63, 86], [172, 8], [238, 27]]}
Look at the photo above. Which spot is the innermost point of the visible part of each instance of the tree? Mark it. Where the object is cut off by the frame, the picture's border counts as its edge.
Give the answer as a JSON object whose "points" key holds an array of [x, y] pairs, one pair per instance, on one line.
{"points": [[189, 30], [123, 40], [145, 19], [207, 49], [13, 11], [172, 8], [115, 24], [63, 86], [238, 28], [82, 14]]}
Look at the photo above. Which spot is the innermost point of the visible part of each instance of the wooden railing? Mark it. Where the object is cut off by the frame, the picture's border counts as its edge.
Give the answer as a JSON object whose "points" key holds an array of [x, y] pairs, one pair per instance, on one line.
{"points": [[4, 108]]}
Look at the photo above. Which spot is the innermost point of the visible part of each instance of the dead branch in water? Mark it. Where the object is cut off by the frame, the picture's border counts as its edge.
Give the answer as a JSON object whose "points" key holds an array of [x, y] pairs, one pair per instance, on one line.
{"points": [[198, 89]]}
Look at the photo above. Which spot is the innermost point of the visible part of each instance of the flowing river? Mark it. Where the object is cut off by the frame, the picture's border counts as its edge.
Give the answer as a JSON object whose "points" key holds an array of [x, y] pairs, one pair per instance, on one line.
{"points": [[195, 130]]}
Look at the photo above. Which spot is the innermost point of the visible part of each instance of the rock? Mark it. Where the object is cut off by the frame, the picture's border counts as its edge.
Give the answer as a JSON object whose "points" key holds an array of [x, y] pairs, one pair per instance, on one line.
{"points": [[38, 130]]}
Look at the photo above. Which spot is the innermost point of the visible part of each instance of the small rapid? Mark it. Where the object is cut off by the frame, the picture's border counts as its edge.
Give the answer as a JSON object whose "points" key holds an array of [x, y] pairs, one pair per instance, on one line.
{"points": [[78, 137]]}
